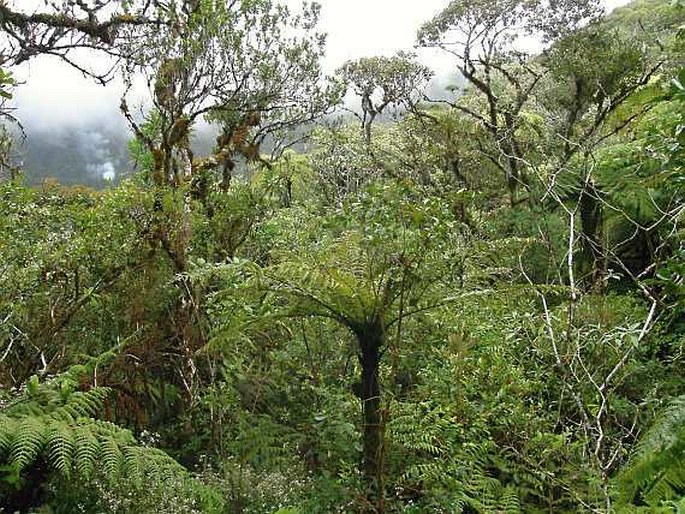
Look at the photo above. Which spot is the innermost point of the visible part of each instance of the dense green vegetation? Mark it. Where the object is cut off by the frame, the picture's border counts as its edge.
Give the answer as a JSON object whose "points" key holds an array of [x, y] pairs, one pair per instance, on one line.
{"points": [[476, 305]]}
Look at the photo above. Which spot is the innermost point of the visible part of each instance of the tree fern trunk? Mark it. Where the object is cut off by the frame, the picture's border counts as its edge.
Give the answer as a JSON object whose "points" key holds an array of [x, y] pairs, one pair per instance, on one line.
{"points": [[371, 342]]}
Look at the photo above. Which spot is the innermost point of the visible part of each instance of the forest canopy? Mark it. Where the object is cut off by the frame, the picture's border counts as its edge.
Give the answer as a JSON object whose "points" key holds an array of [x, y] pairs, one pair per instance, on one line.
{"points": [[360, 297]]}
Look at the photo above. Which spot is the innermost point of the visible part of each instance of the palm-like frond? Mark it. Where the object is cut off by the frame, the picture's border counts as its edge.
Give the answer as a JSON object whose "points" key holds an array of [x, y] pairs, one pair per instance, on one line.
{"points": [[656, 474], [59, 429]]}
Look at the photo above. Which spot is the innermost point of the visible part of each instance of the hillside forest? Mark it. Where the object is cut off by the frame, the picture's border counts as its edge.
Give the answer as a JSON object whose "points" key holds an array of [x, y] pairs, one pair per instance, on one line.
{"points": [[359, 298]]}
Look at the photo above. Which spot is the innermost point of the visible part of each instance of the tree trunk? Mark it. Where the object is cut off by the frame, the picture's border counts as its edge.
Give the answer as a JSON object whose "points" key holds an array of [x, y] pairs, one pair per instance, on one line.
{"points": [[593, 259], [370, 113], [368, 123], [370, 342]]}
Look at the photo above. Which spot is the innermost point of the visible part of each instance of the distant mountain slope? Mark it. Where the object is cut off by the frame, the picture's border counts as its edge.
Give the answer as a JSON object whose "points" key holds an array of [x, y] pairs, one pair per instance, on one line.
{"points": [[91, 154]]}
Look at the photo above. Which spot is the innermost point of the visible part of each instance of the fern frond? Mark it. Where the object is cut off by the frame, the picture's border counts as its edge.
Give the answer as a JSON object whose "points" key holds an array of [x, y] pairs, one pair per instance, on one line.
{"points": [[54, 426], [86, 451], [111, 457], [134, 465], [158, 465], [8, 427], [656, 473], [104, 429], [666, 431], [60, 447], [509, 501], [82, 404], [28, 441]]}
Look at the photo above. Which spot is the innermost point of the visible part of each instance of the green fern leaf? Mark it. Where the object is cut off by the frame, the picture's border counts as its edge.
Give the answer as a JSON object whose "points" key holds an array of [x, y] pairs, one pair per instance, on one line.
{"points": [[57, 428], [509, 502], [28, 442], [86, 451], [8, 427], [107, 429], [134, 465], [60, 445], [657, 471], [112, 457], [82, 404]]}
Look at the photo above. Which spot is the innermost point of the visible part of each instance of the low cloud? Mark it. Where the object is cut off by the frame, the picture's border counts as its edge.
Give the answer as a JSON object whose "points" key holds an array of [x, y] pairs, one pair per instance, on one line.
{"points": [[105, 171]]}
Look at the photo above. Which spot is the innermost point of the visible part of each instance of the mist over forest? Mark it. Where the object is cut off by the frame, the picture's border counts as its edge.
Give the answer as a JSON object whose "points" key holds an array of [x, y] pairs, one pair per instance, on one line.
{"points": [[93, 153], [92, 149]]}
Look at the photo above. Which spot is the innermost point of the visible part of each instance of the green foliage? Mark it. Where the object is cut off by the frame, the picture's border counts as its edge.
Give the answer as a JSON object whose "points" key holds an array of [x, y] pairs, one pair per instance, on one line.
{"points": [[61, 285], [479, 309], [53, 426], [382, 82], [375, 240], [504, 18], [575, 63], [397, 79], [6, 83], [655, 475]]}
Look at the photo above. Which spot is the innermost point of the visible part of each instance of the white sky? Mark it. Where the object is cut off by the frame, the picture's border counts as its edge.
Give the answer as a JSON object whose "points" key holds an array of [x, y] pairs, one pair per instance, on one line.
{"points": [[356, 28]]}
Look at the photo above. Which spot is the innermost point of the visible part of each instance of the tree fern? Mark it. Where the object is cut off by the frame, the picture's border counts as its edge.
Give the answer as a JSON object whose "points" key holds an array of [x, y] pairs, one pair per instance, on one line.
{"points": [[656, 474]]}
